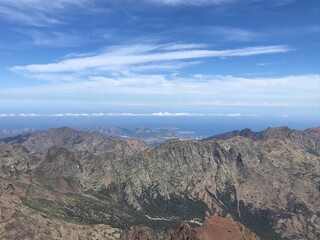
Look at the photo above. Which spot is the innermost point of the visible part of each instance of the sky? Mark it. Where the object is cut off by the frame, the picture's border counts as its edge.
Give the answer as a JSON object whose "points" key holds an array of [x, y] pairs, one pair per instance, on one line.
{"points": [[160, 57]]}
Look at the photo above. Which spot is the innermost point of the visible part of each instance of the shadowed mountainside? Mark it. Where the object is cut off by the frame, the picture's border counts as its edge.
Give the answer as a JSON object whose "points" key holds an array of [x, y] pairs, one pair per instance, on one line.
{"points": [[267, 182]]}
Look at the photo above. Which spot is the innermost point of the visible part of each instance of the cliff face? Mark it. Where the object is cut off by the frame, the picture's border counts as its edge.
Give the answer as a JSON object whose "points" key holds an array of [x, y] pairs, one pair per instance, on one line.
{"points": [[267, 183]]}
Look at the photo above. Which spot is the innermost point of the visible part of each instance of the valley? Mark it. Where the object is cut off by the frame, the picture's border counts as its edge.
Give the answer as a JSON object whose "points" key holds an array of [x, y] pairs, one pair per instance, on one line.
{"points": [[91, 186]]}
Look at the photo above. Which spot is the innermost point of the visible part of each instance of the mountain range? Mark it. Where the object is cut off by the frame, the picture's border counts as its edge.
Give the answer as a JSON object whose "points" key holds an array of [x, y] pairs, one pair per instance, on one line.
{"points": [[153, 136], [69, 184]]}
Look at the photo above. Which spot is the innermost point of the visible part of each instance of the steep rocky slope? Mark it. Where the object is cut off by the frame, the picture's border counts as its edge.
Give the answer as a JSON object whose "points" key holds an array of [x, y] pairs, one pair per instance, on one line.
{"points": [[214, 228], [11, 133], [223, 229], [19, 221], [269, 182], [42, 141]]}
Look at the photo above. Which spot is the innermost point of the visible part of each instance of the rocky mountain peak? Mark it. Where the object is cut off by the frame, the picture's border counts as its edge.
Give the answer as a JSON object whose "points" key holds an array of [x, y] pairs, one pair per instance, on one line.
{"points": [[64, 137]]}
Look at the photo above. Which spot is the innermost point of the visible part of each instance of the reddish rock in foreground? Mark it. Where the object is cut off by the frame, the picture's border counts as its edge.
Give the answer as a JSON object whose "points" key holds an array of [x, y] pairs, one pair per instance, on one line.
{"points": [[219, 228], [214, 228]]}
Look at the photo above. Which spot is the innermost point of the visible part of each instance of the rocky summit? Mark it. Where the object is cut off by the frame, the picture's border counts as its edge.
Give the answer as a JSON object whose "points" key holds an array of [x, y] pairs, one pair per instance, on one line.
{"points": [[68, 184]]}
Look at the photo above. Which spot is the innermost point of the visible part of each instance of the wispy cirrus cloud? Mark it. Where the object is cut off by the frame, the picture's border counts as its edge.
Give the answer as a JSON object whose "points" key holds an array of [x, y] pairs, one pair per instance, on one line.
{"points": [[36, 12], [232, 34], [179, 46], [236, 104], [128, 57], [18, 15], [313, 29], [262, 64], [219, 33], [191, 2], [53, 38], [44, 12], [216, 2]]}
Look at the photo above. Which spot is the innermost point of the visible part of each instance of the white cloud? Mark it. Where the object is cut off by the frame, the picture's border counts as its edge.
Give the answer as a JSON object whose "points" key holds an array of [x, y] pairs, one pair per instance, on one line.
{"points": [[184, 46], [157, 114], [36, 12], [232, 34], [43, 5], [229, 90], [17, 15], [54, 38], [263, 64], [215, 2], [191, 2], [46, 12], [236, 104], [128, 57], [270, 63], [165, 66]]}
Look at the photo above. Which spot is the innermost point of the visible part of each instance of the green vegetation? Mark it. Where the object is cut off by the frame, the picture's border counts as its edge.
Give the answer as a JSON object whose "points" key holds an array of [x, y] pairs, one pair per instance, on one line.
{"points": [[50, 208], [260, 221]]}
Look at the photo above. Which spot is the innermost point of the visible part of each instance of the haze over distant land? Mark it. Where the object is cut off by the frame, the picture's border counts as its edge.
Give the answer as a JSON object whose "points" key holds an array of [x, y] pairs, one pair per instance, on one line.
{"points": [[227, 58]]}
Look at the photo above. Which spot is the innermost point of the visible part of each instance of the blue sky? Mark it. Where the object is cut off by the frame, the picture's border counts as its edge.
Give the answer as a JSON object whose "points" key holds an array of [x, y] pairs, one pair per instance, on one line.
{"points": [[232, 57]]}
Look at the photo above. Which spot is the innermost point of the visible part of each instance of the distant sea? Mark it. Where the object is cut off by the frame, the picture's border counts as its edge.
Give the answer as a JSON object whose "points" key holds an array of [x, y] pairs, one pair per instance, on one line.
{"points": [[201, 125]]}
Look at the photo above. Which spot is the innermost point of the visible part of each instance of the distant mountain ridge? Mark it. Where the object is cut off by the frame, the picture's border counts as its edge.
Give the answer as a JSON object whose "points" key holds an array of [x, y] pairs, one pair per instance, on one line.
{"points": [[153, 136], [262, 135], [7, 133], [266, 182]]}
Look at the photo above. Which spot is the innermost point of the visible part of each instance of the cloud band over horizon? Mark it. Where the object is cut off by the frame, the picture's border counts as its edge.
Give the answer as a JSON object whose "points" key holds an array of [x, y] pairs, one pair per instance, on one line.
{"points": [[157, 114]]}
